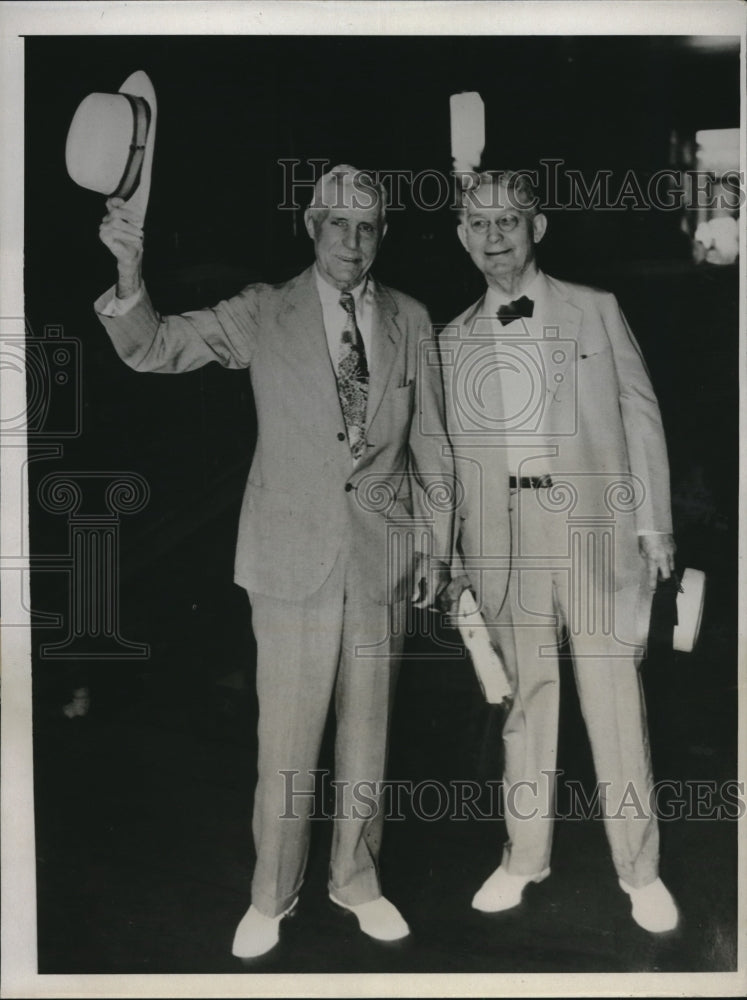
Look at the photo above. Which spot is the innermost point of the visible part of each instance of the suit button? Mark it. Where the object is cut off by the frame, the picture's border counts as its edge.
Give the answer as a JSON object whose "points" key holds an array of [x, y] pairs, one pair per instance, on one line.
{"points": [[348, 487], [340, 436]]}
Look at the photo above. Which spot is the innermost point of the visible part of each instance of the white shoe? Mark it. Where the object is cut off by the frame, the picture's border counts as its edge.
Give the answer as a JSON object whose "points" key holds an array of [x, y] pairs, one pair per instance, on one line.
{"points": [[503, 890], [378, 918], [256, 933], [653, 906]]}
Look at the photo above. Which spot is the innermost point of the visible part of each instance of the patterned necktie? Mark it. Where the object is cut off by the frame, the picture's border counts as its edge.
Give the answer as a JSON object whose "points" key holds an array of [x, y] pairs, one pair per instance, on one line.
{"points": [[513, 310], [352, 378]]}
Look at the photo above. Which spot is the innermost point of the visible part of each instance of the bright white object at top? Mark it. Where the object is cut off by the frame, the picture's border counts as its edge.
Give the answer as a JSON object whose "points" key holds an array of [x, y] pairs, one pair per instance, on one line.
{"points": [[467, 130]]}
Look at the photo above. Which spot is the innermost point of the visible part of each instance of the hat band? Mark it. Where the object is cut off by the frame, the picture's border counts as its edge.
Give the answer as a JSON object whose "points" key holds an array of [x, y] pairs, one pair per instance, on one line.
{"points": [[140, 125]]}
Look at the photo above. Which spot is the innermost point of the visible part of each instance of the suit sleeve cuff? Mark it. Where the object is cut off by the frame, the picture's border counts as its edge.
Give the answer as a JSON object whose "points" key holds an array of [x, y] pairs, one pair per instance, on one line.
{"points": [[109, 305]]}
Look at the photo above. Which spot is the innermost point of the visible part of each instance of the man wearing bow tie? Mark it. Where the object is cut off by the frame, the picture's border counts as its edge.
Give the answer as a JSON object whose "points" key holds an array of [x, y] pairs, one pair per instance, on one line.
{"points": [[339, 494], [564, 530]]}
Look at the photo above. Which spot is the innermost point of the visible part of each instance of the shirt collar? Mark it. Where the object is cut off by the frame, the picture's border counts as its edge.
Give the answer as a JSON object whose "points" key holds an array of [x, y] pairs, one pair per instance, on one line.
{"points": [[330, 295], [494, 298]]}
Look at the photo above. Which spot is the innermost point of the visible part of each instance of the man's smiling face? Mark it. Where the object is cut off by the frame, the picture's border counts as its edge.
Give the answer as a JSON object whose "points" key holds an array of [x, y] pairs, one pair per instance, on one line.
{"points": [[346, 240], [499, 237]]}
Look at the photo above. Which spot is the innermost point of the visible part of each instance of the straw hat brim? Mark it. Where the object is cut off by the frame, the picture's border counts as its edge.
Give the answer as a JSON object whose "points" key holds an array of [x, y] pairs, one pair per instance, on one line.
{"points": [[111, 140], [139, 85]]}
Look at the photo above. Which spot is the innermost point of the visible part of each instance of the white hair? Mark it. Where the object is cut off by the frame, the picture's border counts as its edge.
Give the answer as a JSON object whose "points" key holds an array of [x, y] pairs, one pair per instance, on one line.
{"points": [[517, 184], [347, 187]]}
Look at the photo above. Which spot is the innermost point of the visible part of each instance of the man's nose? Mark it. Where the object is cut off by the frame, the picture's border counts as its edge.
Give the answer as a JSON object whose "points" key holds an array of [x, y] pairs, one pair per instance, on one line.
{"points": [[351, 238], [495, 232]]}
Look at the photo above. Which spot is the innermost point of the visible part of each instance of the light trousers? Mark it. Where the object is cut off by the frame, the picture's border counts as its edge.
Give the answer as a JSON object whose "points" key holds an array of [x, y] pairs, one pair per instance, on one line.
{"points": [[331, 647], [612, 704]]}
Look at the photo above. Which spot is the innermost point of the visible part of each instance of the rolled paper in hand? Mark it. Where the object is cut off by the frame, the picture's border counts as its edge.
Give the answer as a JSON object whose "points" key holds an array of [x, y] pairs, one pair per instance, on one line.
{"points": [[489, 668]]}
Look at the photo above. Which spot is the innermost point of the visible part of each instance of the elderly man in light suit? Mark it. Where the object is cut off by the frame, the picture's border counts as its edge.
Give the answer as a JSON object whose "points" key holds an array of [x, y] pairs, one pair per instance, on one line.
{"points": [[564, 530], [338, 488]]}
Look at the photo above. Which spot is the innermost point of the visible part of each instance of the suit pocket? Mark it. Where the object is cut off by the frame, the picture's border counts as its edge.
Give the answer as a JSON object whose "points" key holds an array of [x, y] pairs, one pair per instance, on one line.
{"points": [[287, 541], [405, 390], [401, 398], [594, 355]]}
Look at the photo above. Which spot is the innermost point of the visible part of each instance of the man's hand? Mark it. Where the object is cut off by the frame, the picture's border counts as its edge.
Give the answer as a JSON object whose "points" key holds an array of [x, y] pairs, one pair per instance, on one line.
{"points": [[123, 236], [430, 578], [448, 599], [658, 551]]}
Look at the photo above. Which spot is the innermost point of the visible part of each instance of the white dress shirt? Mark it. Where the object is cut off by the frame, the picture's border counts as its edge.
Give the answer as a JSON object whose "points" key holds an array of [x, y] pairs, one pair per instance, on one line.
{"points": [[334, 316], [495, 298], [518, 390]]}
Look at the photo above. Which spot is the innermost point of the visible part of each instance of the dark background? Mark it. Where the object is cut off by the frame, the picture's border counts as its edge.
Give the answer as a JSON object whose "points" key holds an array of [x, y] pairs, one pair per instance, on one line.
{"points": [[143, 806]]}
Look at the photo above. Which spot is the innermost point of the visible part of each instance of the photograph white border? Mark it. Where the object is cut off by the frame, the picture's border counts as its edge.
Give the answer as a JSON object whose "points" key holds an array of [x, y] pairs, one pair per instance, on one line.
{"points": [[313, 17]]}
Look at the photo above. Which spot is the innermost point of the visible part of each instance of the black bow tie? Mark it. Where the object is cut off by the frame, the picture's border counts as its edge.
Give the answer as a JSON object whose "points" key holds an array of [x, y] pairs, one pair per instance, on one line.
{"points": [[514, 310]]}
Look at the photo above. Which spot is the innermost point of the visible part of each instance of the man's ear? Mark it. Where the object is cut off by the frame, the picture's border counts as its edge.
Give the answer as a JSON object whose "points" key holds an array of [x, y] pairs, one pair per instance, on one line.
{"points": [[308, 220], [462, 234], [539, 226]]}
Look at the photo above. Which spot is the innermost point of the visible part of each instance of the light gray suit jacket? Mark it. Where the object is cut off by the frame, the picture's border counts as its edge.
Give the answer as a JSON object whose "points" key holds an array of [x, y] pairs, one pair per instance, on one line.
{"points": [[608, 457], [305, 504]]}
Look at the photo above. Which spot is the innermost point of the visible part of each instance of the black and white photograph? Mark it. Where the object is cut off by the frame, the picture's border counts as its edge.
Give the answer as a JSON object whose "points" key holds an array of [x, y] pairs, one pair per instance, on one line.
{"points": [[370, 453]]}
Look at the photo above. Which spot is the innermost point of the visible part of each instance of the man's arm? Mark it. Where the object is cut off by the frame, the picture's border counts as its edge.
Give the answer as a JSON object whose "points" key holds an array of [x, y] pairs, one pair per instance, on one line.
{"points": [[148, 342], [646, 444], [434, 481], [124, 238], [468, 486]]}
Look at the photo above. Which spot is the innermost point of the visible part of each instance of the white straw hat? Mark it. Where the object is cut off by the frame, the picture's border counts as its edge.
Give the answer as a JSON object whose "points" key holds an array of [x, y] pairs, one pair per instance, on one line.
{"points": [[110, 142]]}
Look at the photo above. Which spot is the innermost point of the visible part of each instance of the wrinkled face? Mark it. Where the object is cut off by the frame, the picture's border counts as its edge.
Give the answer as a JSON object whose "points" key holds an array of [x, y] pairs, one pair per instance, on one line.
{"points": [[346, 241], [501, 238]]}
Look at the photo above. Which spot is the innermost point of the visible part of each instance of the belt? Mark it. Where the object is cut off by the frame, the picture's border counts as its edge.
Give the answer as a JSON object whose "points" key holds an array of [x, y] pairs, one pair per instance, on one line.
{"points": [[529, 482]]}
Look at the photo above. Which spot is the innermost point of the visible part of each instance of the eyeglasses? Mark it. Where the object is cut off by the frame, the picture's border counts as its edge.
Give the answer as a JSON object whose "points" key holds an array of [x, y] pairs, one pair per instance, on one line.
{"points": [[506, 224]]}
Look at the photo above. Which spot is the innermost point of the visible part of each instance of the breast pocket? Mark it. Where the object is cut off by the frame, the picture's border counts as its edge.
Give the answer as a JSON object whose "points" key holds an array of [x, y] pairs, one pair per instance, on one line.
{"points": [[595, 369], [401, 403], [594, 355], [403, 395], [391, 422]]}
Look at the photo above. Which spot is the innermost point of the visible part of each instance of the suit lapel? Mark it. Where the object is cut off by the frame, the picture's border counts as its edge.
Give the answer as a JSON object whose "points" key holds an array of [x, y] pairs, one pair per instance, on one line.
{"points": [[306, 343], [475, 323], [385, 338], [560, 313], [303, 325]]}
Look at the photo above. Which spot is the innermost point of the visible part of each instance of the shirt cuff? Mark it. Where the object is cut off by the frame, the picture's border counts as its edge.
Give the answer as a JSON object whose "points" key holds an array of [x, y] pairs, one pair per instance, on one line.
{"points": [[118, 307], [648, 531]]}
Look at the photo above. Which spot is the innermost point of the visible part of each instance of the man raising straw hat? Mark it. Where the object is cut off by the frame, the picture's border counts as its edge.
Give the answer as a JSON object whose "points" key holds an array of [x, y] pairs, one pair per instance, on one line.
{"points": [[340, 468]]}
